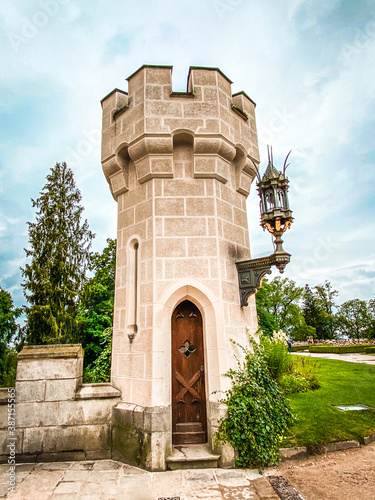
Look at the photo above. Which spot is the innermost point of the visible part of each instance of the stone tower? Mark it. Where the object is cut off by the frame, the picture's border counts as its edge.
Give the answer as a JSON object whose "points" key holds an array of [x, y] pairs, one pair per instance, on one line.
{"points": [[179, 165]]}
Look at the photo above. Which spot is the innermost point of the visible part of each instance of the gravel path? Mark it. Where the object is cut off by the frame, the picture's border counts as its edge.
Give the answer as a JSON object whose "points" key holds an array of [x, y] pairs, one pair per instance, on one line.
{"points": [[353, 357], [334, 476]]}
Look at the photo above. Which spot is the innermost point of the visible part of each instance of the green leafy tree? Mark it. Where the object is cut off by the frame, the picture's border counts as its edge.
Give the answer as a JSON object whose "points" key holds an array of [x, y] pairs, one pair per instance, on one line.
{"points": [[266, 320], [8, 316], [96, 312], [318, 310], [354, 318], [8, 331], [278, 305], [371, 313], [326, 298], [60, 255], [301, 331], [312, 311], [100, 369]]}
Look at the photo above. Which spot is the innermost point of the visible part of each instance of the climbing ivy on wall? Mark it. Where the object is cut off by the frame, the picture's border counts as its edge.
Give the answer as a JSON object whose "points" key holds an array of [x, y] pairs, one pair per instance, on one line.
{"points": [[258, 413]]}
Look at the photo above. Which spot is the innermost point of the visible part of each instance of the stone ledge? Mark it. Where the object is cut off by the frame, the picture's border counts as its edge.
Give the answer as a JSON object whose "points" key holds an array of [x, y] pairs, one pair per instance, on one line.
{"points": [[4, 395], [61, 456], [51, 351], [192, 456], [369, 439], [208, 68], [291, 453], [148, 419], [97, 391], [244, 94], [342, 445], [300, 452], [185, 95], [23, 458]]}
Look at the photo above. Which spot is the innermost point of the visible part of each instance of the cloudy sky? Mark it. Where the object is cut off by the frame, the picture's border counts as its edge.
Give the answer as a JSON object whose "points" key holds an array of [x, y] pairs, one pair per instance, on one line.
{"points": [[308, 64]]}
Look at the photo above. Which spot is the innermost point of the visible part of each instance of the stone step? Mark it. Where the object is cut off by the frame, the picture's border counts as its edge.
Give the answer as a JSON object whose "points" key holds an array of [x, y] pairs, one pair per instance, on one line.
{"points": [[192, 456]]}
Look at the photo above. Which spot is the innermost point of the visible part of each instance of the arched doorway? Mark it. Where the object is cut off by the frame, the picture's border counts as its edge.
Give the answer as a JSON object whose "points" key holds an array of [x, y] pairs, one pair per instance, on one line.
{"points": [[188, 385]]}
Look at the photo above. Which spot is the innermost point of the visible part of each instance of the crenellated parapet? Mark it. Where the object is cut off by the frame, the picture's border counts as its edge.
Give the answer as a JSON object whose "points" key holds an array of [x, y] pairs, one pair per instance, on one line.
{"points": [[143, 125]]}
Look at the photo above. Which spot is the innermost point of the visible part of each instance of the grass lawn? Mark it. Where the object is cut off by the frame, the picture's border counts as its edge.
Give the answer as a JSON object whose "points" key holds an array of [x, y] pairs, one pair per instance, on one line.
{"points": [[318, 422]]}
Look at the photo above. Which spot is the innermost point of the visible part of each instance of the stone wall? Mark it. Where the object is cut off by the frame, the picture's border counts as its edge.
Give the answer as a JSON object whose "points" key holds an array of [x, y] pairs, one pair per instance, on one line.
{"points": [[141, 435], [57, 417]]}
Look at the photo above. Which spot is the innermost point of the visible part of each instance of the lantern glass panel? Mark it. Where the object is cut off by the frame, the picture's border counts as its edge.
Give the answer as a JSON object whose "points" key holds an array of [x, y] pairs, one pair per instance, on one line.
{"points": [[281, 199], [269, 200]]}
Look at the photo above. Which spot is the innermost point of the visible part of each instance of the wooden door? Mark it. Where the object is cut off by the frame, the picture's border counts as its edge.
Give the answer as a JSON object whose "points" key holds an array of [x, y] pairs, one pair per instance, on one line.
{"points": [[188, 391]]}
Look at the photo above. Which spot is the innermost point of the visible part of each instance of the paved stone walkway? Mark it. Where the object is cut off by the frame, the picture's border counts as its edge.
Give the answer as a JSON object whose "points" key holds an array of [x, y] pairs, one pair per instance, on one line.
{"points": [[108, 479], [352, 357]]}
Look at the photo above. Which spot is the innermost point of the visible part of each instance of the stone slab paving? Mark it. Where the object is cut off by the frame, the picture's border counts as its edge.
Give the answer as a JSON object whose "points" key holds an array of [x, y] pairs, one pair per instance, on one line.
{"points": [[351, 357], [108, 479]]}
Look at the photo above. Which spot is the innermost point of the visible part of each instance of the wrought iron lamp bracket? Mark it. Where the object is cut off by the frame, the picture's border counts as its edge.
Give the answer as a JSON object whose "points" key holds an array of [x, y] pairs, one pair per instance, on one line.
{"points": [[251, 273]]}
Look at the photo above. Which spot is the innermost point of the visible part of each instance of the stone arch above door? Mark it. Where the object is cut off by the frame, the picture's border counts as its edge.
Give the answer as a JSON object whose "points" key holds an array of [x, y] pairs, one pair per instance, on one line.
{"points": [[213, 334]]}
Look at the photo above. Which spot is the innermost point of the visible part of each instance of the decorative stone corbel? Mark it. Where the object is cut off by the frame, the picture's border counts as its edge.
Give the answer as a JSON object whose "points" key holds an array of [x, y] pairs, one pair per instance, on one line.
{"points": [[116, 171], [212, 158], [153, 157], [245, 171]]}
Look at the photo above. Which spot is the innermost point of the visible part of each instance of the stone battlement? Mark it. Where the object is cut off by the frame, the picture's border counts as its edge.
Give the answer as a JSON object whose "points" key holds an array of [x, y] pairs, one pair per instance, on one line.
{"points": [[142, 126]]}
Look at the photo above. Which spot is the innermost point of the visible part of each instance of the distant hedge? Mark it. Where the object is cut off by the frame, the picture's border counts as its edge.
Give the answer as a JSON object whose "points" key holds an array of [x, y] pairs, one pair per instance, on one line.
{"points": [[338, 349], [296, 348], [370, 350]]}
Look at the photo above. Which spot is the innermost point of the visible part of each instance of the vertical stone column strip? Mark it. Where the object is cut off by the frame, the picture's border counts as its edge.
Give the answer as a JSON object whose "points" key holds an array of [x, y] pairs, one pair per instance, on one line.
{"points": [[133, 289]]}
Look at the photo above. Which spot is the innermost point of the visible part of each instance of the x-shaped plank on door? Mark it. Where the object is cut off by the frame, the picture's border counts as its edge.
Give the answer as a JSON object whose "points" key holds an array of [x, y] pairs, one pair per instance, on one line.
{"points": [[188, 386]]}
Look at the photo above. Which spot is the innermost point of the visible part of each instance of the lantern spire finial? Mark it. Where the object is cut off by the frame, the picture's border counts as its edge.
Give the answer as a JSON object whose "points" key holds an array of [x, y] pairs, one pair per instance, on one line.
{"points": [[285, 165], [271, 171]]}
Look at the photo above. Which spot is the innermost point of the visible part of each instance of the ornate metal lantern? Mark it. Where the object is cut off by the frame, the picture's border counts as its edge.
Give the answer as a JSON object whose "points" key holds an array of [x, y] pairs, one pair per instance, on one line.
{"points": [[276, 217]]}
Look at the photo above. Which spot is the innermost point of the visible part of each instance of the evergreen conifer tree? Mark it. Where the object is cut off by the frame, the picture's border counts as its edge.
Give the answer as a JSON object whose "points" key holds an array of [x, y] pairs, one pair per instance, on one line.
{"points": [[60, 255]]}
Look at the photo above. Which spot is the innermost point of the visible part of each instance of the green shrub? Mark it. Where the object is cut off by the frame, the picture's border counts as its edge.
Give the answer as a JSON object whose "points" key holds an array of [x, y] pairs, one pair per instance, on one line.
{"points": [[258, 412], [308, 369], [100, 369], [292, 383], [338, 349], [370, 350], [276, 357], [8, 368], [302, 376], [296, 348]]}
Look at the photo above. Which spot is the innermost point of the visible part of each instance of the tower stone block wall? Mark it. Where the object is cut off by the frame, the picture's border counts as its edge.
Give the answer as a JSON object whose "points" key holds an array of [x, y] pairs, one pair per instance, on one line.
{"points": [[180, 166]]}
